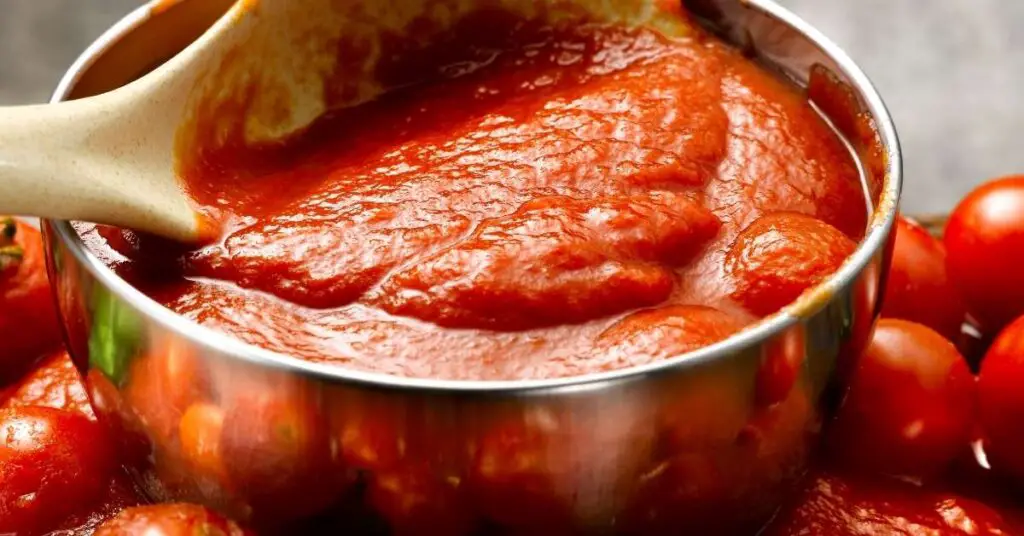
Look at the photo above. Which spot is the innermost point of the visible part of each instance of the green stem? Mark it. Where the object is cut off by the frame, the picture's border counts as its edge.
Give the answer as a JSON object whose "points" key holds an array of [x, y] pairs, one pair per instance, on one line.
{"points": [[10, 252]]}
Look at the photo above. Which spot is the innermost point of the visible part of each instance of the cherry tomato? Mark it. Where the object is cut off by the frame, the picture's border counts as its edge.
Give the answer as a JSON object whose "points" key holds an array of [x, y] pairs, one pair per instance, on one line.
{"points": [[170, 520], [277, 449], [1001, 401], [985, 241], [55, 383], [831, 505], [910, 407], [417, 500], [28, 318], [663, 333], [781, 255], [919, 288], [52, 464]]}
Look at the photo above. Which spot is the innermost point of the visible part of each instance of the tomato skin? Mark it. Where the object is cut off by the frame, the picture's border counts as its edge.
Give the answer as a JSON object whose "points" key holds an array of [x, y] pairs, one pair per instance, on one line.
{"points": [[662, 333], [170, 520], [985, 241], [28, 319], [62, 460], [910, 407], [919, 288], [835, 505], [55, 383], [1001, 401], [781, 255]]}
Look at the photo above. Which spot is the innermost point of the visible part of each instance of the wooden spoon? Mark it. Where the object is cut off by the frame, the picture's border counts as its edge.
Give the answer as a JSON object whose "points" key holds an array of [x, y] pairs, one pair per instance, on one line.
{"points": [[116, 158]]}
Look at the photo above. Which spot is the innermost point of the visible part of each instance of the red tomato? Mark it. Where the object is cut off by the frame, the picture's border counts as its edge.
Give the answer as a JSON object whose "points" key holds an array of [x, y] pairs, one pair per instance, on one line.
{"points": [[119, 494], [55, 384], [53, 463], [418, 501], [919, 288], [835, 506], [779, 256], [170, 520], [28, 318], [1001, 400], [985, 241], [910, 407], [663, 333], [277, 449]]}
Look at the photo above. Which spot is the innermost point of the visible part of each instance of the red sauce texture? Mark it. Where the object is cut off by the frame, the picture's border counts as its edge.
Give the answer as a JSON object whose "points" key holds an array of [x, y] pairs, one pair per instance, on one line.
{"points": [[534, 208]]}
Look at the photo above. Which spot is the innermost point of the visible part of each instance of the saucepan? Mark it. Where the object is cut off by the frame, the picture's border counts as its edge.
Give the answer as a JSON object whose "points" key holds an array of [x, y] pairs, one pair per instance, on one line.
{"points": [[681, 446]]}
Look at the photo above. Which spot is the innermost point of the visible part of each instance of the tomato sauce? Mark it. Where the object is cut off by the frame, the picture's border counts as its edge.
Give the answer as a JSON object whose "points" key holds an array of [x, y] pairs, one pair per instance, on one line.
{"points": [[504, 211]]}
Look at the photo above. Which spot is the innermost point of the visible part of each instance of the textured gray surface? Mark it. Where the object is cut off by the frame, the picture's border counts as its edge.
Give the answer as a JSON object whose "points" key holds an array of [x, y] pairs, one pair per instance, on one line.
{"points": [[950, 71]]}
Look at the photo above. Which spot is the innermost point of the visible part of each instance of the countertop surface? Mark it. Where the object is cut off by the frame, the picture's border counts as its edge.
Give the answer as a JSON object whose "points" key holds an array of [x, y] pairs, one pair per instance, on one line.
{"points": [[949, 70]]}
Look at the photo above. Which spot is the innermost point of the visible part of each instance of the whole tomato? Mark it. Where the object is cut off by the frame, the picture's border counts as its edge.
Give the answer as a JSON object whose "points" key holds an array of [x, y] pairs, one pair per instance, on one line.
{"points": [[1001, 401], [779, 256], [55, 383], [53, 463], [985, 241], [919, 288], [170, 520], [832, 505], [910, 407], [28, 318]]}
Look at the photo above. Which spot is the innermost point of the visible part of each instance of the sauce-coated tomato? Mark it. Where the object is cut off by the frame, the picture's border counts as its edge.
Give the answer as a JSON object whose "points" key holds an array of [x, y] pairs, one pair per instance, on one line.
{"points": [[781, 255], [54, 383], [851, 506], [1001, 401], [53, 463], [28, 319], [919, 288], [910, 407], [170, 520], [985, 241]]}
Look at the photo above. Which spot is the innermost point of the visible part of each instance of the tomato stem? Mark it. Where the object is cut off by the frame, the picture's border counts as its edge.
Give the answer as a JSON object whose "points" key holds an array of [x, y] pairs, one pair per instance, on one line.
{"points": [[10, 252]]}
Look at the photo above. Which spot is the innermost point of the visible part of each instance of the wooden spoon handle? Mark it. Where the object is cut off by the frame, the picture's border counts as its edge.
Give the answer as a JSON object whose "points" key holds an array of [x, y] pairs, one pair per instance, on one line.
{"points": [[65, 161]]}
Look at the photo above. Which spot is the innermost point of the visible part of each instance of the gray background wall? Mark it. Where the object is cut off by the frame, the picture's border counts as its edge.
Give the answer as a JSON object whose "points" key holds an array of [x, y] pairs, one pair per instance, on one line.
{"points": [[951, 71]]}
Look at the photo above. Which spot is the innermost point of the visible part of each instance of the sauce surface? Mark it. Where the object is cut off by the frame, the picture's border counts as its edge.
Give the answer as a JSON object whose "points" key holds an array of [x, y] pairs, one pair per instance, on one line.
{"points": [[528, 210]]}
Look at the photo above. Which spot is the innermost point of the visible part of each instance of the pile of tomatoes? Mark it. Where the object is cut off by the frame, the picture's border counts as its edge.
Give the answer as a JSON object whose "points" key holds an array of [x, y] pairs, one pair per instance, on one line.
{"points": [[929, 439]]}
